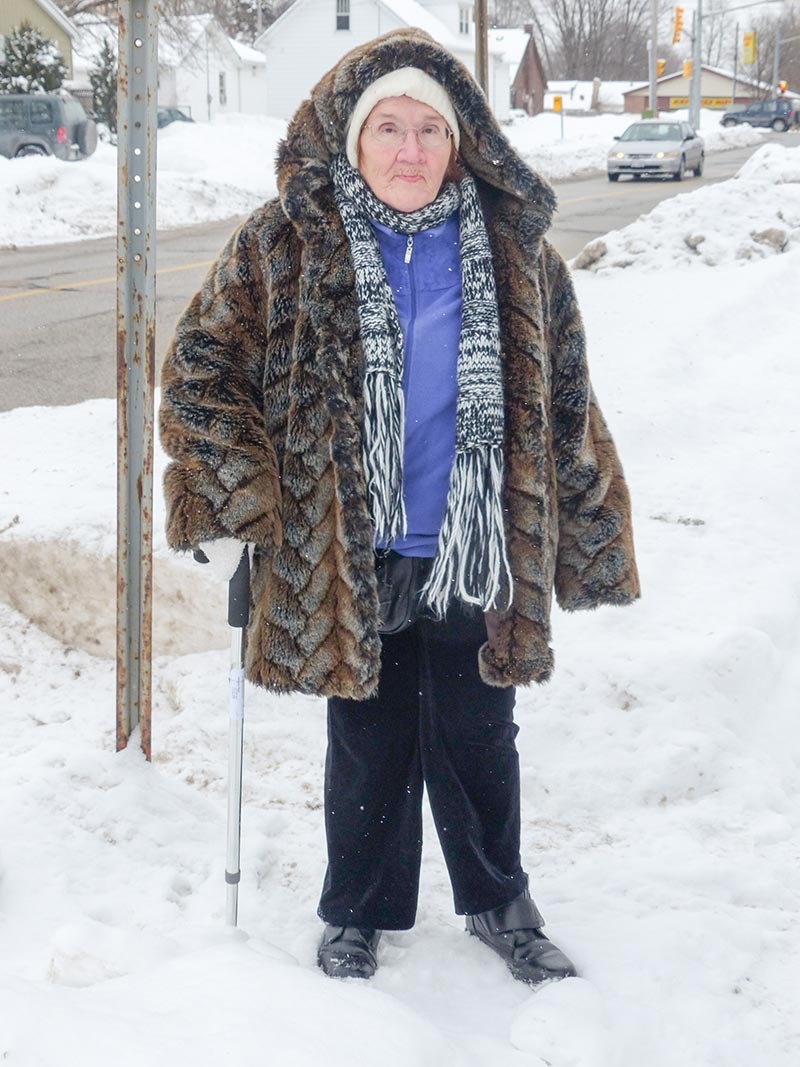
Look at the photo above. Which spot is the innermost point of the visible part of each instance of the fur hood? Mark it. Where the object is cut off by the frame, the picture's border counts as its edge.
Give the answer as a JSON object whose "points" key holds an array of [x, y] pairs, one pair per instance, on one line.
{"points": [[262, 408], [318, 132]]}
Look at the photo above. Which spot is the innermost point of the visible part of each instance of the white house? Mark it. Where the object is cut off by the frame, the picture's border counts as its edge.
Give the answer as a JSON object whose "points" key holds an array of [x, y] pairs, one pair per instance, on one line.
{"points": [[312, 35], [206, 72], [200, 69]]}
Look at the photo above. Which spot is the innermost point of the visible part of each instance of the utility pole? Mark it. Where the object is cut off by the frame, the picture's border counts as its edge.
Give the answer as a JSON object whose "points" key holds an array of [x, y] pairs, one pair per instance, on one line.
{"points": [[136, 331], [482, 46], [652, 59], [776, 63], [695, 94], [735, 64], [776, 69]]}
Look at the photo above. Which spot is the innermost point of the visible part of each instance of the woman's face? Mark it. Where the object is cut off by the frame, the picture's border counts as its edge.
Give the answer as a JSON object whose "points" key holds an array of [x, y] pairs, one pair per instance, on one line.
{"points": [[402, 174]]}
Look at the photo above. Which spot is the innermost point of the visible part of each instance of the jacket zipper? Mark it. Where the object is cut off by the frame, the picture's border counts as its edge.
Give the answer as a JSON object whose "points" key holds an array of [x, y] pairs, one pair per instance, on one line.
{"points": [[409, 248]]}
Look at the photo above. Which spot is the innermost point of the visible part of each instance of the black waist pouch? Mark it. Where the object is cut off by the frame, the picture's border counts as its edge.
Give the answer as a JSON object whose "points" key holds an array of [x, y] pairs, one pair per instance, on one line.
{"points": [[400, 580]]}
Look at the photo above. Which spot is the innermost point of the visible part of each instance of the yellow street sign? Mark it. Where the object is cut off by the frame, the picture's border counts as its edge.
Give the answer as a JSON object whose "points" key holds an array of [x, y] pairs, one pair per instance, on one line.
{"points": [[714, 103], [748, 49]]}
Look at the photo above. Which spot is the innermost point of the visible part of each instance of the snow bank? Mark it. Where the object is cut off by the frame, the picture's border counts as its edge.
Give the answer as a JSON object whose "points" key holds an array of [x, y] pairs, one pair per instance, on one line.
{"points": [[752, 216], [205, 172], [587, 140], [217, 170]]}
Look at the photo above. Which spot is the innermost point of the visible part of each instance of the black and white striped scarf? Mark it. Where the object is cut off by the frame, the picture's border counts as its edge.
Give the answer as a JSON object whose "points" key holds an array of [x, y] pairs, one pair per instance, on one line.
{"points": [[471, 561]]}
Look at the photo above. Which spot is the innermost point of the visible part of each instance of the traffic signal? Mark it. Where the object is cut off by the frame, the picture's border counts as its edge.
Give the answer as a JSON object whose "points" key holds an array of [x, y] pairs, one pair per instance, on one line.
{"points": [[661, 66], [782, 86], [687, 68], [677, 25], [748, 49]]}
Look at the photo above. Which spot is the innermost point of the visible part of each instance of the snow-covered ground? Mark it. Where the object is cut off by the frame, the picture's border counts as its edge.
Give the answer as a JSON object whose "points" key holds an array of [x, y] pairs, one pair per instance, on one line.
{"points": [[205, 172], [209, 171], [755, 215], [660, 767]]}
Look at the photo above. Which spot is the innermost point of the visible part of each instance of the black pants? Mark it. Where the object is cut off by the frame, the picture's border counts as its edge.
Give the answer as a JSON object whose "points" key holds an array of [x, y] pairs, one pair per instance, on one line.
{"points": [[433, 721]]}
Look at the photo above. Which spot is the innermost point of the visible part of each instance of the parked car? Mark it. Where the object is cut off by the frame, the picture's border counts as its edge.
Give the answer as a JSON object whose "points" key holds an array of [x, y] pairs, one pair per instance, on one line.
{"points": [[45, 124], [657, 147], [780, 114], [166, 115]]}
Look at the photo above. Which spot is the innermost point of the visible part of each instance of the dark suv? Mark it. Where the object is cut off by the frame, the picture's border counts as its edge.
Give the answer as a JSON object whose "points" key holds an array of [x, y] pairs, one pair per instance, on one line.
{"points": [[45, 124], [780, 114]]}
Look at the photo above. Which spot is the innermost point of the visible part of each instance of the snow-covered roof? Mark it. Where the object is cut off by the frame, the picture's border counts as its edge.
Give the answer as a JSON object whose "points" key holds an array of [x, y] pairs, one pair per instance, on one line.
{"points": [[176, 40], [511, 44], [408, 12], [414, 14], [740, 79], [246, 53], [578, 94], [178, 37]]}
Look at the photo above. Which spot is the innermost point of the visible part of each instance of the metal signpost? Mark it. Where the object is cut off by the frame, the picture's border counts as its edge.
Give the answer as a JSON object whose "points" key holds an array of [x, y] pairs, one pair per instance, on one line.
{"points": [[136, 268], [558, 107]]}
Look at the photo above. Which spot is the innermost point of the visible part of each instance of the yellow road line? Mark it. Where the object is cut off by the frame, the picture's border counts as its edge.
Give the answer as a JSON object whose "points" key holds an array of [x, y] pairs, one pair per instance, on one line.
{"points": [[96, 281], [207, 263]]}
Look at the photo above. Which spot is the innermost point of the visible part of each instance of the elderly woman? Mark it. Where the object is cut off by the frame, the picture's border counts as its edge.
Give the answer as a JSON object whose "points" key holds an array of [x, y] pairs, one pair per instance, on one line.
{"points": [[382, 386]]}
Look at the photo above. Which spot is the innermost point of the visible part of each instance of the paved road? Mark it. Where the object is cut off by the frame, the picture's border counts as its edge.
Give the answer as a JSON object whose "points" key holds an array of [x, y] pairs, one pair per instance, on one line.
{"points": [[590, 207], [57, 317]]}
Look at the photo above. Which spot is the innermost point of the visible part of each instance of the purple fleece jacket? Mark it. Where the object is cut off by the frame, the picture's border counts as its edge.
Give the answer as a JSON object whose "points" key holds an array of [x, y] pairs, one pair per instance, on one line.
{"points": [[427, 292]]}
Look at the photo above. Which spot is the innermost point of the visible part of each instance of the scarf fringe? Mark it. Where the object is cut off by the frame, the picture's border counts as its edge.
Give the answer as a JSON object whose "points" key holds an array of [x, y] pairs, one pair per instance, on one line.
{"points": [[384, 414], [471, 561]]}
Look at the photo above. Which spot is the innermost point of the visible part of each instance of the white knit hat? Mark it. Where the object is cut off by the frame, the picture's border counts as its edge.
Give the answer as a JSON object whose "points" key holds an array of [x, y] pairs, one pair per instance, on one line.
{"points": [[407, 81]]}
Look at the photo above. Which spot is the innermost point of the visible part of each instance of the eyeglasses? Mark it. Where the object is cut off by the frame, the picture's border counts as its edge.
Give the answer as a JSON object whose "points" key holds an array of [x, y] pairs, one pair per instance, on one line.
{"points": [[389, 134]]}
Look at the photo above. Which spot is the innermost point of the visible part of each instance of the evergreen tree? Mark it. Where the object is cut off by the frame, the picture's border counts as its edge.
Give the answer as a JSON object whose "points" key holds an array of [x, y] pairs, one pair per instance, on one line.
{"points": [[103, 79], [32, 62]]}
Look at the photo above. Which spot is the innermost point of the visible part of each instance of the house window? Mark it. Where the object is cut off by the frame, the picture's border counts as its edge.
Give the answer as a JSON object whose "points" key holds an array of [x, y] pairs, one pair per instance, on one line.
{"points": [[223, 95], [342, 14], [464, 18]]}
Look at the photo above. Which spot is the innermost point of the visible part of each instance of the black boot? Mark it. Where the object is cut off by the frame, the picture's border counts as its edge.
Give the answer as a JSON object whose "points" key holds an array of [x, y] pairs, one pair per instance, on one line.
{"points": [[348, 952], [514, 932]]}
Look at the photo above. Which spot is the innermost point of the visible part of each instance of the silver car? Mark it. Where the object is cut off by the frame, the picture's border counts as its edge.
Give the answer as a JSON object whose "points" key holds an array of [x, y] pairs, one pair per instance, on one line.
{"points": [[657, 146]]}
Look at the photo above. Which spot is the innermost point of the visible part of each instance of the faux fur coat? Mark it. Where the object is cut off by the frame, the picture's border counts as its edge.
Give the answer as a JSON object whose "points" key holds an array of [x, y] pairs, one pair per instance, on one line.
{"points": [[262, 408]]}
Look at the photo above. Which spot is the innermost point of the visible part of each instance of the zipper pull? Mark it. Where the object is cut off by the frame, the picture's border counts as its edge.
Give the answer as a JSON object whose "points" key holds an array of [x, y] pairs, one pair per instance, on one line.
{"points": [[409, 248]]}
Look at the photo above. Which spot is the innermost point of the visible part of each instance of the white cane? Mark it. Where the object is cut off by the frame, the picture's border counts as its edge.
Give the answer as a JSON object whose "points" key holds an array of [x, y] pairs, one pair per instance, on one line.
{"points": [[238, 614]]}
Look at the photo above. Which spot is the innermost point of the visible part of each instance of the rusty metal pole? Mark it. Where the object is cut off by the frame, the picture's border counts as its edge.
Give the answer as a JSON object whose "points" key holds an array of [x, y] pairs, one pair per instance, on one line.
{"points": [[136, 272], [482, 46]]}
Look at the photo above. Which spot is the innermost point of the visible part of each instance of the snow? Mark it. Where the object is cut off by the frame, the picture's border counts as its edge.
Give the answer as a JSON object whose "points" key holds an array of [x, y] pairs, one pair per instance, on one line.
{"points": [[578, 95], [221, 169], [412, 13], [586, 140], [511, 44], [754, 216], [660, 767], [248, 54], [205, 172]]}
